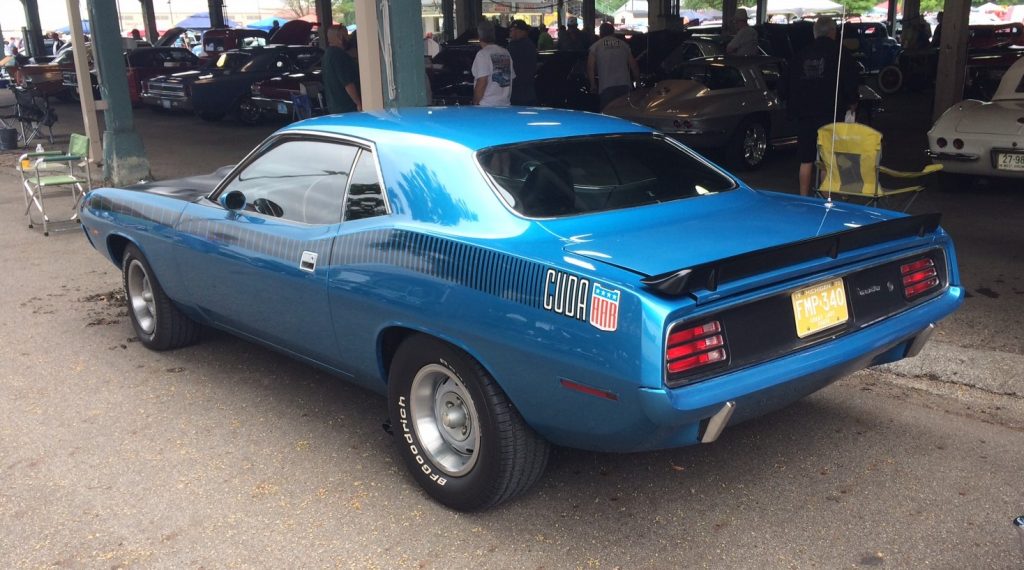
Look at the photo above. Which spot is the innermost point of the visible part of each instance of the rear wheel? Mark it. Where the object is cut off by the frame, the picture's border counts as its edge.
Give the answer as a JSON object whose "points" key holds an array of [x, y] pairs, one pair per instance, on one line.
{"points": [[159, 324], [890, 79], [458, 433], [749, 144]]}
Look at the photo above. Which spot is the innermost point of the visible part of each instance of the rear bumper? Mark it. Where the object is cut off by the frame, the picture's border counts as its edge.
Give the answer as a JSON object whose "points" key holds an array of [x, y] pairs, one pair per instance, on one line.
{"points": [[679, 417], [273, 106]]}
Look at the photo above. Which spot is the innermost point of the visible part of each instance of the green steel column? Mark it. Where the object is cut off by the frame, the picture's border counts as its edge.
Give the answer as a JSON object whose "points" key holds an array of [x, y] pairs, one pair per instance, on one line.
{"points": [[216, 13], [447, 20], [326, 19], [34, 34], [149, 19], [403, 75], [124, 158]]}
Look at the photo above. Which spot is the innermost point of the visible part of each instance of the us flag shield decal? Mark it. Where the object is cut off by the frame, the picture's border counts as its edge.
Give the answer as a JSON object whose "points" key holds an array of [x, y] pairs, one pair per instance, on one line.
{"points": [[604, 308]]}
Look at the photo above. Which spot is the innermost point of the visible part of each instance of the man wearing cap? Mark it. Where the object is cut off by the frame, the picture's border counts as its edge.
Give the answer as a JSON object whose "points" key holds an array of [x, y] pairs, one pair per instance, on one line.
{"points": [[745, 40], [524, 61], [611, 65], [572, 39]]}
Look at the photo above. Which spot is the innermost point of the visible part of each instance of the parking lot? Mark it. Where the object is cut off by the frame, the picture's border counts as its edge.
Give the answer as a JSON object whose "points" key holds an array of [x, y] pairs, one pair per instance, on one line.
{"points": [[226, 454]]}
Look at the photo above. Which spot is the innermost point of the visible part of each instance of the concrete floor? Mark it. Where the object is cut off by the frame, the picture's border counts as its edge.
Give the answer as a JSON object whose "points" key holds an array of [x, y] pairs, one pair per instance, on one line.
{"points": [[228, 455]]}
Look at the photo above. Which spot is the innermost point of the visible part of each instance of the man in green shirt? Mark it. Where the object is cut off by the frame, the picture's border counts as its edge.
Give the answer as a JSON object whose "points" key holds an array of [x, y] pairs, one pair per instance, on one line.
{"points": [[340, 74]]}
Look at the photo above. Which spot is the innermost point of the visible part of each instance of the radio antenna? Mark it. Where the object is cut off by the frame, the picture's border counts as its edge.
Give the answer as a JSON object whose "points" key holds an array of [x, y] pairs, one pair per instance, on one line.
{"points": [[835, 105]]}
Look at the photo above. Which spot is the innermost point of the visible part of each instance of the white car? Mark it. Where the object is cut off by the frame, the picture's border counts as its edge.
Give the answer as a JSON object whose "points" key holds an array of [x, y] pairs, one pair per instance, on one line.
{"points": [[984, 139]]}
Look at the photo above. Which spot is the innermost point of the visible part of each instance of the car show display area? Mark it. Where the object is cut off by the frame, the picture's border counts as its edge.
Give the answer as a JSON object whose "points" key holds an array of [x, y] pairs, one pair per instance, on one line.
{"points": [[227, 453]]}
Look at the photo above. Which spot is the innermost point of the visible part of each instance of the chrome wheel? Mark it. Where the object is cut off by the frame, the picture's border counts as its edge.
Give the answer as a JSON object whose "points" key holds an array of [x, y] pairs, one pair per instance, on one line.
{"points": [[445, 419], [140, 295], [755, 143]]}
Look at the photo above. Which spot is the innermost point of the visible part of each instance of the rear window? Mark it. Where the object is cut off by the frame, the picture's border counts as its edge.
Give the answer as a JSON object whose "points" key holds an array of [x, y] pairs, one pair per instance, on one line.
{"points": [[595, 174]]}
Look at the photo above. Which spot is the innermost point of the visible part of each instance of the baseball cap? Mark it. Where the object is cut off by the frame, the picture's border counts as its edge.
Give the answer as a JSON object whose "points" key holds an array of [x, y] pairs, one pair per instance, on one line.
{"points": [[573, 22], [519, 25]]}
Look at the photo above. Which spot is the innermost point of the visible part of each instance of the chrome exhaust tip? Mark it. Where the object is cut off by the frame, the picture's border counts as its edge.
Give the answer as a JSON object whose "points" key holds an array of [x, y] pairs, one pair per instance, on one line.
{"points": [[717, 422], [920, 340]]}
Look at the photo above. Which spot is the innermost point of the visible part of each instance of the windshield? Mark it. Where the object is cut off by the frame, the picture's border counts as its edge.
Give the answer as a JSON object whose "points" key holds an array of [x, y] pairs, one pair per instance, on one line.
{"points": [[594, 174]]}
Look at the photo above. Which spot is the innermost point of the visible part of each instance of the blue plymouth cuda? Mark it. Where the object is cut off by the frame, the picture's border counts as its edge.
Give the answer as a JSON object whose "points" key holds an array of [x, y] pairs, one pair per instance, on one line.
{"points": [[516, 278]]}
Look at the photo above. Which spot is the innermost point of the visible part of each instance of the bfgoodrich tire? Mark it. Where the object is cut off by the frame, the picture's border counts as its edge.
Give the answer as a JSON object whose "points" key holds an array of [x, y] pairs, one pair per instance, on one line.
{"points": [[158, 323], [458, 433]]}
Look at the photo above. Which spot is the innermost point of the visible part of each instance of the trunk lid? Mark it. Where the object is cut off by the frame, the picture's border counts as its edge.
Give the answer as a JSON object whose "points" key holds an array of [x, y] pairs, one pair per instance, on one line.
{"points": [[709, 234], [996, 118]]}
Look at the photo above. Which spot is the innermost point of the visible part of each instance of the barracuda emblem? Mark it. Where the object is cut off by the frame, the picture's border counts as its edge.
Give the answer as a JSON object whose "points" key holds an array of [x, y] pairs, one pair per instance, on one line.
{"points": [[577, 298]]}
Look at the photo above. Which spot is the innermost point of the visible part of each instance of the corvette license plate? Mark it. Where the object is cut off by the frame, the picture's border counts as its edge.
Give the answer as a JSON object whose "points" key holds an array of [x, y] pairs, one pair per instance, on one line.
{"points": [[819, 307], [282, 109], [165, 103], [1010, 161]]}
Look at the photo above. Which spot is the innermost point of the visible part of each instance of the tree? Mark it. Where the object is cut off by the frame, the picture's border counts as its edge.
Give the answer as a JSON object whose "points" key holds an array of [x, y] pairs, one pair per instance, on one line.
{"points": [[344, 11], [300, 8]]}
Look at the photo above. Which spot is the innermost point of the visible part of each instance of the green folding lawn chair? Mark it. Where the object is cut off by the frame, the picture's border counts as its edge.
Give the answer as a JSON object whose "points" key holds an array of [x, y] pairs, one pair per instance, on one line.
{"points": [[51, 172]]}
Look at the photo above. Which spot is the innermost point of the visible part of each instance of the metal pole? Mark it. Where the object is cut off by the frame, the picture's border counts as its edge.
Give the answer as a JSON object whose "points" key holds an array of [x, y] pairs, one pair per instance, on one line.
{"points": [[88, 104]]}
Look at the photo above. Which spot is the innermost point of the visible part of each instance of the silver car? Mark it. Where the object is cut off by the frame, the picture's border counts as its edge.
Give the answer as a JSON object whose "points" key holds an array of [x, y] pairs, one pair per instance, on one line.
{"points": [[723, 102]]}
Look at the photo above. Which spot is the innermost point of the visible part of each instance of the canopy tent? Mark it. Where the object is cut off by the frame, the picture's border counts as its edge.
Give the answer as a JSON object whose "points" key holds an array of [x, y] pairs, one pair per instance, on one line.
{"points": [[990, 7], [67, 29], [266, 23], [201, 21], [801, 7], [701, 14]]}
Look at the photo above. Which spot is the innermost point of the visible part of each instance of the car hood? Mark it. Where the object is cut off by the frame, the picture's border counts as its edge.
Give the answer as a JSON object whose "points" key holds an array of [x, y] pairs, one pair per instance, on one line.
{"points": [[183, 77], [188, 188], [995, 118], [654, 240]]}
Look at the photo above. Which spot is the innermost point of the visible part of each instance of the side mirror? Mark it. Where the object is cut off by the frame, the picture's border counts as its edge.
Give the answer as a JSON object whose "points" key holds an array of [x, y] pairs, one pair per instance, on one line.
{"points": [[233, 200]]}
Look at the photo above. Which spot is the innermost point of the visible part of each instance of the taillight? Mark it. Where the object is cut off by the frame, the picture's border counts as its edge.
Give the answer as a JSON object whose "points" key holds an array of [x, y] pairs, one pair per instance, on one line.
{"points": [[958, 144], [941, 142], [693, 347], [919, 277]]}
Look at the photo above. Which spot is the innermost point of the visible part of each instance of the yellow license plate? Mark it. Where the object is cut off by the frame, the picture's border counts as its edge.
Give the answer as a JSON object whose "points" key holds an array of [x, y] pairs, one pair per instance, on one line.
{"points": [[819, 307]]}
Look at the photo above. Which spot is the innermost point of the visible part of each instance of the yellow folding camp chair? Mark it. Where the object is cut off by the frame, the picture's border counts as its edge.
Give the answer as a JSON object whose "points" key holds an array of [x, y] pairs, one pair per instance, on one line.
{"points": [[849, 161], [43, 172]]}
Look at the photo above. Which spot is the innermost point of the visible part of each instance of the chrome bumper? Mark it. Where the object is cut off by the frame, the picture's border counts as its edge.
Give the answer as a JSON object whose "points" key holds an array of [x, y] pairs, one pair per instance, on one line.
{"points": [[952, 156]]}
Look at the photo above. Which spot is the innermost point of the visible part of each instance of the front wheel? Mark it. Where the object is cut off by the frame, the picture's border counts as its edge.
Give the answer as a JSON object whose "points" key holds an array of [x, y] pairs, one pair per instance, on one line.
{"points": [[749, 144], [458, 433], [248, 112], [158, 323]]}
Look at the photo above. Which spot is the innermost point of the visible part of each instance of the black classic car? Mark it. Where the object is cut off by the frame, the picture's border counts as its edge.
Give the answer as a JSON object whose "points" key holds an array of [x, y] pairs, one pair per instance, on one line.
{"points": [[225, 84]]}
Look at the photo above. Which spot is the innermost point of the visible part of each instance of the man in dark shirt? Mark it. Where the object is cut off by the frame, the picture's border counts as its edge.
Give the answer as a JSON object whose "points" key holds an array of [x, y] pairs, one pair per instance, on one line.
{"points": [[340, 74], [811, 92], [524, 61]]}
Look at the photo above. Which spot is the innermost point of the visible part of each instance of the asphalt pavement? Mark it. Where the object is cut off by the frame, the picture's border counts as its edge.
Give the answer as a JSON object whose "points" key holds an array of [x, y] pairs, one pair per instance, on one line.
{"points": [[227, 455]]}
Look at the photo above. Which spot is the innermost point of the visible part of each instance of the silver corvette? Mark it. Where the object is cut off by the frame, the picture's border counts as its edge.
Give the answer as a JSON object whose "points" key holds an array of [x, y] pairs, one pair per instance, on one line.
{"points": [[723, 102]]}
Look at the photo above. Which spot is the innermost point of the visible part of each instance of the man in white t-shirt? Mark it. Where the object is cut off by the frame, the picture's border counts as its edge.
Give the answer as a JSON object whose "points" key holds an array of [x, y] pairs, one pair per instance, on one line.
{"points": [[611, 66], [492, 71]]}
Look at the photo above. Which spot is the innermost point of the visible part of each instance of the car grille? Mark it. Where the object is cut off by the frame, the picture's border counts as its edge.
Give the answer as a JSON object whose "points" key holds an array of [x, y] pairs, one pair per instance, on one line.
{"points": [[168, 90]]}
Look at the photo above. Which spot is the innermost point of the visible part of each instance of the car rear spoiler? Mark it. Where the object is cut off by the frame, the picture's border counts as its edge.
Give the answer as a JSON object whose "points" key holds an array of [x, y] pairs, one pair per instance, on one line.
{"points": [[711, 275]]}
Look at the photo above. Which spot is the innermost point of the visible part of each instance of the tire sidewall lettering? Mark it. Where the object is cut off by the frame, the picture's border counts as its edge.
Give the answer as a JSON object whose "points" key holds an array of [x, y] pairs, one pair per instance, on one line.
{"points": [[410, 440]]}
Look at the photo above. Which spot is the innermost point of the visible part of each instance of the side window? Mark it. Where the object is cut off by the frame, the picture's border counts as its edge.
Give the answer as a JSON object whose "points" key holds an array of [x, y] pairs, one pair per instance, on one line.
{"points": [[365, 192], [724, 77], [301, 181]]}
